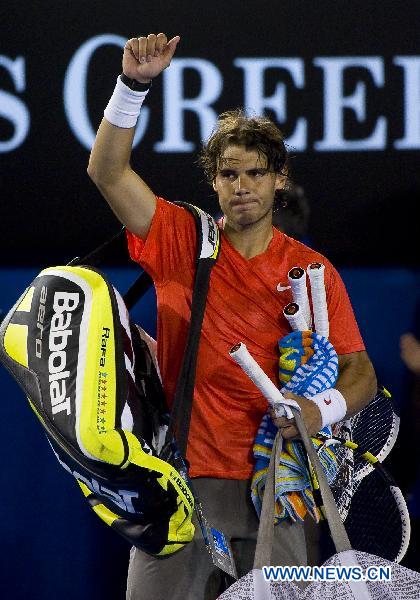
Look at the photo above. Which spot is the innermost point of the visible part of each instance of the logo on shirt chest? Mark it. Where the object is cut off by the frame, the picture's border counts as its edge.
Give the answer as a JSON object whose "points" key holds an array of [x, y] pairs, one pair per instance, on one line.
{"points": [[282, 288]]}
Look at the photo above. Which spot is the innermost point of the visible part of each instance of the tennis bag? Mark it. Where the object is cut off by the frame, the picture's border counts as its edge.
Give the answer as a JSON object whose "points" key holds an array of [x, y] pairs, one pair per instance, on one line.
{"points": [[91, 380]]}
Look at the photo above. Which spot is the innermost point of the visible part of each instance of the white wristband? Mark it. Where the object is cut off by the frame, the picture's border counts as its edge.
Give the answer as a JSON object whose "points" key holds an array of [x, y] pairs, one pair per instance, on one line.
{"points": [[124, 106], [332, 406]]}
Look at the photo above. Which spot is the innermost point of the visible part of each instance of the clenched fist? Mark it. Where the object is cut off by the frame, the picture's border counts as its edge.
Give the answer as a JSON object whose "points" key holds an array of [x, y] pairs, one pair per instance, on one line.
{"points": [[145, 57]]}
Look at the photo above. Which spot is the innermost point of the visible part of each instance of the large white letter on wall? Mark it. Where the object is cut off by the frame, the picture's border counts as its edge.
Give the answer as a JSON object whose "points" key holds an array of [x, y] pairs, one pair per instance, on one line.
{"points": [[256, 101], [12, 108], [411, 66], [175, 103], [75, 104], [335, 102]]}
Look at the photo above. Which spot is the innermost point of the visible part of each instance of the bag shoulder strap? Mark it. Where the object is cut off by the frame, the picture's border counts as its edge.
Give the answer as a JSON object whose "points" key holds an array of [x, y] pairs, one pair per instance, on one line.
{"points": [[208, 248]]}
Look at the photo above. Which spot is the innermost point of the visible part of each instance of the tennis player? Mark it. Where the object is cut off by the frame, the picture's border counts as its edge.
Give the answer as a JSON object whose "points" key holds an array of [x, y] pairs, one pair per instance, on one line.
{"points": [[245, 160]]}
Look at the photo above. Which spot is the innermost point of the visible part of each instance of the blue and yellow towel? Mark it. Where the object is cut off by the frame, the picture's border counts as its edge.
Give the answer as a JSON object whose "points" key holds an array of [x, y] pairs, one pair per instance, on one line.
{"points": [[308, 364]]}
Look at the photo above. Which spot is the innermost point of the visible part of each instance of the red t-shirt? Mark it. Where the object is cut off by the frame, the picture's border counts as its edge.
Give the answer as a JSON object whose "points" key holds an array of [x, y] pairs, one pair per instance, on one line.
{"points": [[243, 305]]}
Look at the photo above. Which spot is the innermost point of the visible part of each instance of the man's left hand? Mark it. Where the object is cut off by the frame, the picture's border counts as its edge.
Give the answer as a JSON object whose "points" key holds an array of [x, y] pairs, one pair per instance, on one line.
{"points": [[310, 414]]}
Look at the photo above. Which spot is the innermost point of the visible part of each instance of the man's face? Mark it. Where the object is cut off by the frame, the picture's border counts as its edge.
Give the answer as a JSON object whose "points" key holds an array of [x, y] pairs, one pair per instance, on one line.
{"points": [[246, 187]]}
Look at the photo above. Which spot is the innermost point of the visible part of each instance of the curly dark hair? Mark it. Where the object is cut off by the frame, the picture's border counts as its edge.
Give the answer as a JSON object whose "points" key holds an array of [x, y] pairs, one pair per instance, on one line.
{"points": [[235, 127]]}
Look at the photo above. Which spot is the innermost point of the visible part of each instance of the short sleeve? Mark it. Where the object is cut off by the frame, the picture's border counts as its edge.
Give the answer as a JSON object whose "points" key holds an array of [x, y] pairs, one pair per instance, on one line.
{"points": [[170, 244], [344, 331]]}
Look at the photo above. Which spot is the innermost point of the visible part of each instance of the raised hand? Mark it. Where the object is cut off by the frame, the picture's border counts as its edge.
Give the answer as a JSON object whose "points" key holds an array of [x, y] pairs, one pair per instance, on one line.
{"points": [[146, 57]]}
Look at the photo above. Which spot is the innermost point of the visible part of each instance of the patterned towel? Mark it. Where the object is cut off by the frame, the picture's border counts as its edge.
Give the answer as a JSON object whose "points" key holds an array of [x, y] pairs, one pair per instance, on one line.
{"points": [[308, 364]]}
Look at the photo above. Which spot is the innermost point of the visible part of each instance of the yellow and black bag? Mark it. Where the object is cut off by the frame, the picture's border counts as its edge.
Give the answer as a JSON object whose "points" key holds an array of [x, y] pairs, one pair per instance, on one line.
{"points": [[91, 380]]}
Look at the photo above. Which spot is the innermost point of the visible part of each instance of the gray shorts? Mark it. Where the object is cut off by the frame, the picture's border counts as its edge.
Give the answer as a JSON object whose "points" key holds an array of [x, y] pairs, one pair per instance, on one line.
{"points": [[190, 574]]}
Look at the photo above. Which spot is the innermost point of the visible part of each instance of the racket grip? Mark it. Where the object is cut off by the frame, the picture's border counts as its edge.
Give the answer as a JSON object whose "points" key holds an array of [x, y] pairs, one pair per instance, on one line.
{"points": [[277, 401], [297, 280], [319, 298], [293, 314]]}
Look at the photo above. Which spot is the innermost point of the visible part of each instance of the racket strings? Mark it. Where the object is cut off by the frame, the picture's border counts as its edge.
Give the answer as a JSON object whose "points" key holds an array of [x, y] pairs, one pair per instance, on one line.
{"points": [[375, 522], [374, 429], [342, 487]]}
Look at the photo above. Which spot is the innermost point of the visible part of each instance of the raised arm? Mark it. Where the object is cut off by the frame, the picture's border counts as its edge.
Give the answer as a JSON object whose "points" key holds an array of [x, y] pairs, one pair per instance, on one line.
{"points": [[128, 195]]}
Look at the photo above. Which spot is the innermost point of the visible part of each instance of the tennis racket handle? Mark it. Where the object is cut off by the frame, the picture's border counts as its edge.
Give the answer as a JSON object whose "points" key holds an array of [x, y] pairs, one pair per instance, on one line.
{"points": [[277, 401], [295, 317], [316, 272], [297, 280]]}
